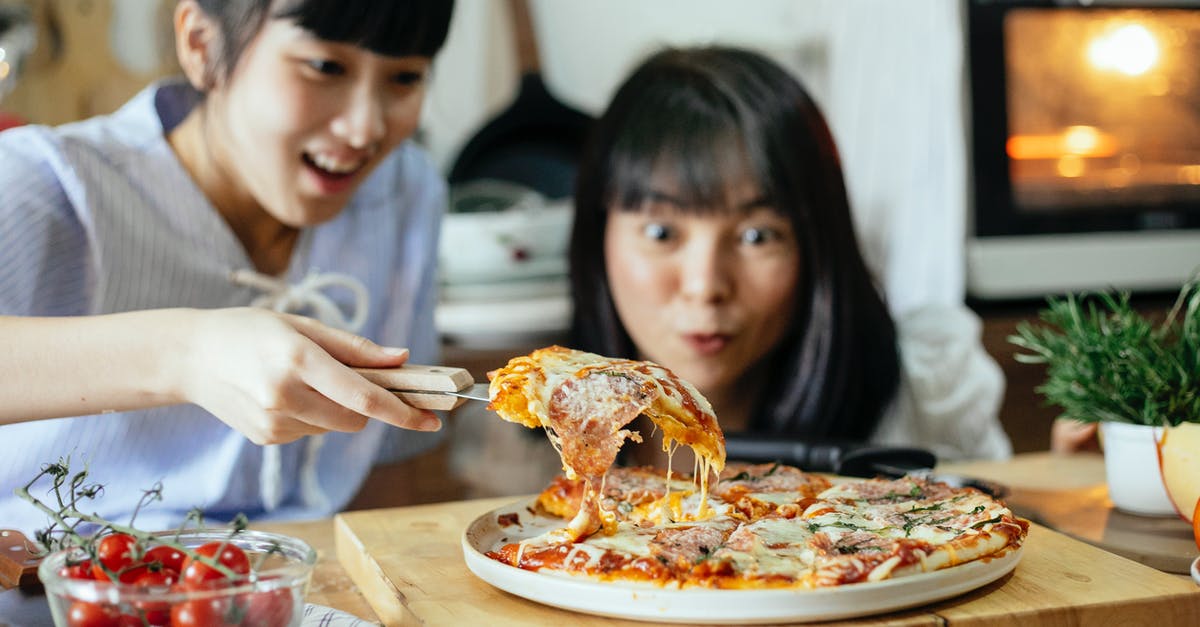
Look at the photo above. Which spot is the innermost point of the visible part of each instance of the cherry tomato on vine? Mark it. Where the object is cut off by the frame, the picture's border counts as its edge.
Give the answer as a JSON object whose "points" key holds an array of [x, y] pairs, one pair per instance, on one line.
{"points": [[169, 557], [200, 613], [155, 612], [272, 608], [198, 574], [85, 614], [116, 552], [82, 570]]}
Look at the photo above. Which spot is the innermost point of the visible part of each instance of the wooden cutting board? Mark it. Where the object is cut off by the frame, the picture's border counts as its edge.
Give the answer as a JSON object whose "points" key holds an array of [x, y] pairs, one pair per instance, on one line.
{"points": [[408, 564]]}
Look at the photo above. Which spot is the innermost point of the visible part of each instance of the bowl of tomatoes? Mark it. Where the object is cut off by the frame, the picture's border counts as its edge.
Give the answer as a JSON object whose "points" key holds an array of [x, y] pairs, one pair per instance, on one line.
{"points": [[201, 577]]}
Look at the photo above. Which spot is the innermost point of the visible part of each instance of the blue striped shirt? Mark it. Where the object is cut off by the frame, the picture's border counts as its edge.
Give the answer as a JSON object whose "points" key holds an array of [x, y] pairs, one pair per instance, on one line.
{"points": [[100, 217]]}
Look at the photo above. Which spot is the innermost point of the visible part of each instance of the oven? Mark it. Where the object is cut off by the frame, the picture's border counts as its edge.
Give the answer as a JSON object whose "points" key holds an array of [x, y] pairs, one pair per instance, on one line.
{"points": [[1084, 127]]}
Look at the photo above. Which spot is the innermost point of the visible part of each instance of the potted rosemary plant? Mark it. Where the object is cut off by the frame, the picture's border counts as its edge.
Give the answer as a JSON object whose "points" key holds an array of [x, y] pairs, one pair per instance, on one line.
{"points": [[1107, 363]]}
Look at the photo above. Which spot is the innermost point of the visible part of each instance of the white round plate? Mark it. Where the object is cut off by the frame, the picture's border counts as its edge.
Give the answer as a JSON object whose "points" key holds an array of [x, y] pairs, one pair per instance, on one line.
{"points": [[703, 605]]}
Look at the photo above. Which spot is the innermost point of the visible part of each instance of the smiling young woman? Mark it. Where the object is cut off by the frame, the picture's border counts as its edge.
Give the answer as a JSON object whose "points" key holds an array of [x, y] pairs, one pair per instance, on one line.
{"points": [[156, 259]]}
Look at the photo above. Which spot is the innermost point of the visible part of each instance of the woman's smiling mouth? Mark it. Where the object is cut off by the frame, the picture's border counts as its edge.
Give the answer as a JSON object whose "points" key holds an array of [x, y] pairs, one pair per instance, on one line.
{"points": [[333, 174]]}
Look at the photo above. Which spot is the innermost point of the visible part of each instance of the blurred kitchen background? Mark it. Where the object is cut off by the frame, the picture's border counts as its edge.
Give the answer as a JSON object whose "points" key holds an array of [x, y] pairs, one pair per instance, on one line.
{"points": [[995, 152]]}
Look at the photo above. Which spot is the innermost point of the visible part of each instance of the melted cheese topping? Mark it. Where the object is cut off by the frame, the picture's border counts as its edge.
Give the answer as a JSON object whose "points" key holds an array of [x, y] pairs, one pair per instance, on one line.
{"points": [[867, 530], [584, 401]]}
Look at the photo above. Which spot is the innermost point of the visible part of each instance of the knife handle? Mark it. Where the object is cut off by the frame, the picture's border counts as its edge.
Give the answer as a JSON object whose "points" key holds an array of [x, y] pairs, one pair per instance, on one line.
{"points": [[421, 377], [18, 562]]}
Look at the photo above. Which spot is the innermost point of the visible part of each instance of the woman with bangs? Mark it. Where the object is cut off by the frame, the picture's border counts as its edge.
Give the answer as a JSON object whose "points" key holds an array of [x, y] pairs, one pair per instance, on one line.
{"points": [[713, 235], [191, 278]]}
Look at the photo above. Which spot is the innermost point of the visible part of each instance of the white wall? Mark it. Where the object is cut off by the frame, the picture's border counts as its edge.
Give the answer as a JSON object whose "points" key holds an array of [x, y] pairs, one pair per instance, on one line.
{"points": [[888, 74]]}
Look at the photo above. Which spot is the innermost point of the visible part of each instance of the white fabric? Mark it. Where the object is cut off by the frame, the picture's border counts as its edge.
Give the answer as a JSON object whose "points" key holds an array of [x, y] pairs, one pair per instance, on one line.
{"points": [[951, 389], [100, 217], [284, 297]]}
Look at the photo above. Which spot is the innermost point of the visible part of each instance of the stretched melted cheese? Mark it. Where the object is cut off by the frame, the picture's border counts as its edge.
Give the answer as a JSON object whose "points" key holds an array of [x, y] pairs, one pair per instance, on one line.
{"points": [[584, 401]]}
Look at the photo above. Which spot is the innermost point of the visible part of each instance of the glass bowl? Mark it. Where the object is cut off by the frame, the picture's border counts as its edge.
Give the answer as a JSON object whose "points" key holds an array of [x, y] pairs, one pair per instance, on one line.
{"points": [[272, 595]]}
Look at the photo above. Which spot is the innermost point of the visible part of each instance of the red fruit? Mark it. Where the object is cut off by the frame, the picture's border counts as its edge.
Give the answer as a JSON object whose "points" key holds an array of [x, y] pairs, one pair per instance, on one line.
{"points": [[272, 608], [85, 614], [116, 552], [133, 573], [200, 613], [155, 612], [82, 570], [197, 574], [169, 557]]}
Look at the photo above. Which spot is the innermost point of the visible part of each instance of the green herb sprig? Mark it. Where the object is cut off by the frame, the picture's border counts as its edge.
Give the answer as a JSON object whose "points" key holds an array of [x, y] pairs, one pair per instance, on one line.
{"points": [[1107, 363], [70, 490]]}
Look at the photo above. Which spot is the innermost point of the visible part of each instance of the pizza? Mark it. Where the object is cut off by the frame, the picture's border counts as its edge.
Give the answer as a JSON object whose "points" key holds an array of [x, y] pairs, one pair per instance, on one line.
{"points": [[756, 526], [584, 402], [767, 526]]}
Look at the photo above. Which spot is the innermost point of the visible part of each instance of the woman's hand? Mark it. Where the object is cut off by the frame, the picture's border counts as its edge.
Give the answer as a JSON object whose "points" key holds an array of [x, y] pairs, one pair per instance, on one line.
{"points": [[276, 377], [273, 377]]}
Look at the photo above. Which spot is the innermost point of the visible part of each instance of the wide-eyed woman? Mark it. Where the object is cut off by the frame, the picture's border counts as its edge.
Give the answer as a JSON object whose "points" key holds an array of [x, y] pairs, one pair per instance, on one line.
{"points": [[713, 235]]}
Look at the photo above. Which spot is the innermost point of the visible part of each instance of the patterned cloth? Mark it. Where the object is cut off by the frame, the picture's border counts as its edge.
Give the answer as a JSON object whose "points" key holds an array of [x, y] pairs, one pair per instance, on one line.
{"points": [[321, 616], [100, 216]]}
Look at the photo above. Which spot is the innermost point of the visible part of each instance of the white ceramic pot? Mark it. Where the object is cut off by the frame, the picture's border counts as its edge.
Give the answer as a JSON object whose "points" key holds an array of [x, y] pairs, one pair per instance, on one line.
{"points": [[1131, 467]]}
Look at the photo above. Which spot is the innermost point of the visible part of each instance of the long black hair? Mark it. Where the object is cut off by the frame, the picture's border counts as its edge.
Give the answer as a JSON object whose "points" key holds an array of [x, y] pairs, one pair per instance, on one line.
{"points": [[697, 113], [394, 28]]}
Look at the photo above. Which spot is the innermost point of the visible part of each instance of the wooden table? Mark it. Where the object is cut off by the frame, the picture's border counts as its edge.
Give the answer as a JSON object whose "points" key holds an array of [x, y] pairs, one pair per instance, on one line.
{"points": [[1067, 492], [427, 538]]}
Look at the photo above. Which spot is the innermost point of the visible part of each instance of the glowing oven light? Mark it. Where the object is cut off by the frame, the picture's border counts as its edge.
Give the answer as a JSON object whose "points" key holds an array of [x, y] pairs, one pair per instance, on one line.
{"points": [[1074, 141], [1131, 50]]}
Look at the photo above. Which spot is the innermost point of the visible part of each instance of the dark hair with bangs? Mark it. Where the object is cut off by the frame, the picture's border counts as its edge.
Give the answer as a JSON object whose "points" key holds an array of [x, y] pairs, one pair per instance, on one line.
{"points": [[390, 27], [704, 116]]}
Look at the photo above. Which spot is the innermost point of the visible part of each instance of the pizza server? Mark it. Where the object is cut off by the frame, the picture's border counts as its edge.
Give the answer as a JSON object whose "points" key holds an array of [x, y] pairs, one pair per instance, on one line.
{"points": [[428, 387]]}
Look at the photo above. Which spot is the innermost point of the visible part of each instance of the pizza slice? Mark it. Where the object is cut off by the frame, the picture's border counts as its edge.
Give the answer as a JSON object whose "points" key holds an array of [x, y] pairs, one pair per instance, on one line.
{"points": [[876, 529], [758, 490], [585, 401]]}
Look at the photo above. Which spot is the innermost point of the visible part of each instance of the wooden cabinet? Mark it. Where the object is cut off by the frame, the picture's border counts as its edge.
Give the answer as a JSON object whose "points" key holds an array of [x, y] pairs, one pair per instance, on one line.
{"points": [[73, 72]]}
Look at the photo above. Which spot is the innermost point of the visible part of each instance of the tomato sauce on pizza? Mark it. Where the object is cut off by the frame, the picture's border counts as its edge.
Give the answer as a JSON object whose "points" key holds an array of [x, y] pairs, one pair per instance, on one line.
{"points": [[584, 402]]}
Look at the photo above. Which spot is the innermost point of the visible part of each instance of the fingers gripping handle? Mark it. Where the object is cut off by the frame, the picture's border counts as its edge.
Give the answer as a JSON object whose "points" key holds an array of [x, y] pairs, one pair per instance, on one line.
{"points": [[410, 380]]}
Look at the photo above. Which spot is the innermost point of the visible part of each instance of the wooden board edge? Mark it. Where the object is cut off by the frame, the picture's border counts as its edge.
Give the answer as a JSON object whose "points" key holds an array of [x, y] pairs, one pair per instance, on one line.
{"points": [[384, 598]]}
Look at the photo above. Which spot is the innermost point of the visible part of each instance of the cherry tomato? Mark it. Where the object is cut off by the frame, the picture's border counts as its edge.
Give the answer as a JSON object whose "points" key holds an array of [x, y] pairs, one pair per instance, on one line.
{"points": [[155, 612], [116, 552], [272, 608], [200, 613], [82, 570], [85, 614], [130, 574], [130, 620], [169, 557], [197, 574]]}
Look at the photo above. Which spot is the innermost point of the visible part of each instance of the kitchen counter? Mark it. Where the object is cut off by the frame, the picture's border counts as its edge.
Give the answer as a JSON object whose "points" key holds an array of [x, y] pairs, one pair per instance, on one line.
{"points": [[404, 565]]}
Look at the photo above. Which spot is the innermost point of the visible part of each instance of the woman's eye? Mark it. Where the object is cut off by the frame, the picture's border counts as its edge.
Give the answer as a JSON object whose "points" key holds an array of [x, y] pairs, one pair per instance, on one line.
{"points": [[657, 232], [757, 236], [408, 78], [325, 66]]}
